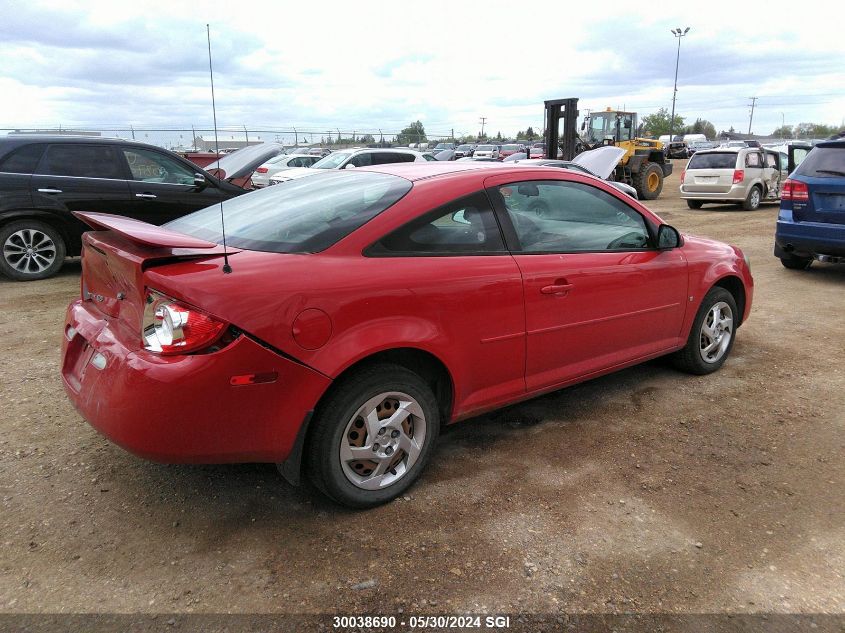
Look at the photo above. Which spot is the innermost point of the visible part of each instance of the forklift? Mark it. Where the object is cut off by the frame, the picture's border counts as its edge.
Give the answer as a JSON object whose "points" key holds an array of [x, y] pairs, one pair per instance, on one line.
{"points": [[644, 165]]}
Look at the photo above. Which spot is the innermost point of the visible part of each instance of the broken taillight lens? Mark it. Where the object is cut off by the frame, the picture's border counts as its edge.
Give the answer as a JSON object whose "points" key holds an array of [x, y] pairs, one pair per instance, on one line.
{"points": [[172, 327]]}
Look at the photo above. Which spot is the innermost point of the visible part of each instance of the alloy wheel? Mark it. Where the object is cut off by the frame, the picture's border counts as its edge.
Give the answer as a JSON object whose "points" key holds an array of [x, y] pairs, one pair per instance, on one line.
{"points": [[716, 332], [29, 251]]}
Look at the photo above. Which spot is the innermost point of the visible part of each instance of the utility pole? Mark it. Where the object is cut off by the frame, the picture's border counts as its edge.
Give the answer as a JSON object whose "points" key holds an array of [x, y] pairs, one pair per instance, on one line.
{"points": [[483, 121], [751, 118]]}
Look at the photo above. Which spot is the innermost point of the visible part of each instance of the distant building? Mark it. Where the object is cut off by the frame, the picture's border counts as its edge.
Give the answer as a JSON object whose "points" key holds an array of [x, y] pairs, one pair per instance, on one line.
{"points": [[208, 146]]}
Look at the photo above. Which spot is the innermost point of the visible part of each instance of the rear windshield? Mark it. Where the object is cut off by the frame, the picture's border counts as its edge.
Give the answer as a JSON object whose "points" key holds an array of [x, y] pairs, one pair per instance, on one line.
{"points": [[511, 147], [715, 160], [823, 162], [299, 216]]}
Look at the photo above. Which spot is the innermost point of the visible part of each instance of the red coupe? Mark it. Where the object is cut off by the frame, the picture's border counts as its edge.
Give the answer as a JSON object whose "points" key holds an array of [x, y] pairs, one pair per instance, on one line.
{"points": [[367, 308]]}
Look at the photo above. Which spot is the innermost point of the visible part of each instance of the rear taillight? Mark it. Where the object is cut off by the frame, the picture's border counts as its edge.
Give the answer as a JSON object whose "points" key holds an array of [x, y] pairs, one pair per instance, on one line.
{"points": [[172, 327], [794, 190], [262, 170], [739, 176]]}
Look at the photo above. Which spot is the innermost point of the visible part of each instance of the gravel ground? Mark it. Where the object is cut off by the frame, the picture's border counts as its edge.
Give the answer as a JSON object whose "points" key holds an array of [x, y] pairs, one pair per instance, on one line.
{"points": [[647, 491]]}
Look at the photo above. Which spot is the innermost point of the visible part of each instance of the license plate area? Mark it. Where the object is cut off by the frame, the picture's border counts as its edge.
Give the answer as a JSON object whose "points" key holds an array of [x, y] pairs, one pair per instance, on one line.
{"points": [[77, 359], [706, 180]]}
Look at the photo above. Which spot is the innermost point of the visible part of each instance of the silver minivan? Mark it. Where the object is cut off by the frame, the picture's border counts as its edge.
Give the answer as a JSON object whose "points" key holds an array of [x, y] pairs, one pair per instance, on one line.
{"points": [[745, 176]]}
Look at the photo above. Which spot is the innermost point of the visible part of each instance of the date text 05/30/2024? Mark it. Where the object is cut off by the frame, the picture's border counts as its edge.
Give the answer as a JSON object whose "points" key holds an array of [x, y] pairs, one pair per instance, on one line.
{"points": [[421, 622]]}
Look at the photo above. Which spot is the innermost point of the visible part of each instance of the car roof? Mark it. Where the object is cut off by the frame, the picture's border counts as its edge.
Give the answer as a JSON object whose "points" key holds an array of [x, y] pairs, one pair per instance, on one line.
{"points": [[66, 138], [428, 170]]}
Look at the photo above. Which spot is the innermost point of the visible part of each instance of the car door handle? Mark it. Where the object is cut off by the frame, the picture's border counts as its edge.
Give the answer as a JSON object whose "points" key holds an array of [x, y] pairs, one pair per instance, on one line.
{"points": [[49, 190], [146, 196], [556, 289]]}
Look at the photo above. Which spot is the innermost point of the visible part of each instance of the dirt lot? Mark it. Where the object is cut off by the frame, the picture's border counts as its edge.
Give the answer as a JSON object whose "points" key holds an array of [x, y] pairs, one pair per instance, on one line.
{"points": [[648, 490]]}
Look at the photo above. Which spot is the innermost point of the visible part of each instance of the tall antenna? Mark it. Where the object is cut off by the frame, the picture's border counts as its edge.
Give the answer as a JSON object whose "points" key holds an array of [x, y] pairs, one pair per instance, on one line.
{"points": [[226, 268]]}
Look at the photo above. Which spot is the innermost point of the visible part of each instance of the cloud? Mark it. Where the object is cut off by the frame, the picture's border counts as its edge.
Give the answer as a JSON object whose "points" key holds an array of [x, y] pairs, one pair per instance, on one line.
{"points": [[371, 64]]}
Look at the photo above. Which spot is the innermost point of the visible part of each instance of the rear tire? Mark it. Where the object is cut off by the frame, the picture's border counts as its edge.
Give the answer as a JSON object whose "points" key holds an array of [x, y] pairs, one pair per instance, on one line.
{"points": [[712, 336], [648, 181], [694, 204], [796, 263], [372, 436], [30, 250], [752, 202]]}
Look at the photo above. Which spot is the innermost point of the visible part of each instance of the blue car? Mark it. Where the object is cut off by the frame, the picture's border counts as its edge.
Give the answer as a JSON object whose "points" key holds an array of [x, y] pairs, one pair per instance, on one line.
{"points": [[811, 222]]}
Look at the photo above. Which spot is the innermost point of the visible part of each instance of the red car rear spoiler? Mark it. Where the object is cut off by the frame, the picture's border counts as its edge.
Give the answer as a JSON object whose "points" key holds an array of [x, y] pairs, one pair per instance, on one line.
{"points": [[142, 232]]}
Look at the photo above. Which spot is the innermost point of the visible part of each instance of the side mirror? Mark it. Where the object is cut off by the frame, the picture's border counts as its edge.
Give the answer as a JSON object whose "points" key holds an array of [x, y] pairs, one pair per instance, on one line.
{"points": [[200, 180], [349, 166], [668, 237]]}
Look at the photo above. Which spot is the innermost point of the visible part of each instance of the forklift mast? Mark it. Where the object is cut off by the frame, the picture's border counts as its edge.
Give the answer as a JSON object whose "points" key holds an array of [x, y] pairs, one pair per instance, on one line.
{"points": [[557, 109]]}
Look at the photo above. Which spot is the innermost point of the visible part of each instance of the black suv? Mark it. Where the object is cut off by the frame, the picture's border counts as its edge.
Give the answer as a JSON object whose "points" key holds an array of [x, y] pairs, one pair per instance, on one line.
{"points": [[44, 178]]}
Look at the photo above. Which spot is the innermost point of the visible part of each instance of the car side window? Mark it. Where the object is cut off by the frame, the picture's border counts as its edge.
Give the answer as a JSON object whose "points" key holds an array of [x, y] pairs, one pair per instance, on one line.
{"points": [[752, 159], [82, 161], [149, 166], [23, 160], [565, 217], [464, 227], [361, 160], [771, 161]]}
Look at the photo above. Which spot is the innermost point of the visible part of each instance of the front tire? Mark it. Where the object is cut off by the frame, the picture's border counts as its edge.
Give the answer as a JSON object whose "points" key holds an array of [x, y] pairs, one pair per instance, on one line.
{"points": [[648, 181], [372, 436], [30, 250], [694, 204], [712, 336]]}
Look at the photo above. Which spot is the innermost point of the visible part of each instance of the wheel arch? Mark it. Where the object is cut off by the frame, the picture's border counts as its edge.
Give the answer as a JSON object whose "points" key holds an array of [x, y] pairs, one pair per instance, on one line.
{"points": [[734, 285], [427, 365], [72, 246]]}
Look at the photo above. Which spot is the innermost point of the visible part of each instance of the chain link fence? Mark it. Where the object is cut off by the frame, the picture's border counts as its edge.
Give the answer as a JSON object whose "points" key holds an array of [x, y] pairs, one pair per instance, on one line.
{"points": [[198, 138]]}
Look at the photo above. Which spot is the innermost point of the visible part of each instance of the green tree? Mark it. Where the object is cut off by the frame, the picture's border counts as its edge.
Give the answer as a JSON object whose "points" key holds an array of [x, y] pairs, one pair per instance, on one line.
{"points": [[702, 126], [528, 134], [814, 130], [366, 139], [414, 133], [657, 124], [784, 131]]}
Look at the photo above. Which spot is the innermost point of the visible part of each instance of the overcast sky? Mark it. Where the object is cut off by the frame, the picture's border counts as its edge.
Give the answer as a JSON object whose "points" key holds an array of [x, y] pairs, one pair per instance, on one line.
{"points": [[361, 65]]}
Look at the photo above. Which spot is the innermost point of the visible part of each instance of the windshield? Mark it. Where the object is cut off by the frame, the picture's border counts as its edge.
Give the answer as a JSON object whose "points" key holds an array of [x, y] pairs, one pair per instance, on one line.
{"points": [[484, 148], [299, 216], [332, 161], [511, 148], [713, 160], [464, 148]]}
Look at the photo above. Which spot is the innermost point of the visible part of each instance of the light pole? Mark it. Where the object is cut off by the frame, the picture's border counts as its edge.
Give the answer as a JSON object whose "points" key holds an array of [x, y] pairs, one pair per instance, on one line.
{"points": [[679, 34]]}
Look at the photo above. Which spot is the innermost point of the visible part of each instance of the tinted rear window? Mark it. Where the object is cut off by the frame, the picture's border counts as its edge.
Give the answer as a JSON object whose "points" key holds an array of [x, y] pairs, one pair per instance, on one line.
{"points": [[300, 216], [823, 162], [82, 161], [718, 160], [23, 160]]}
